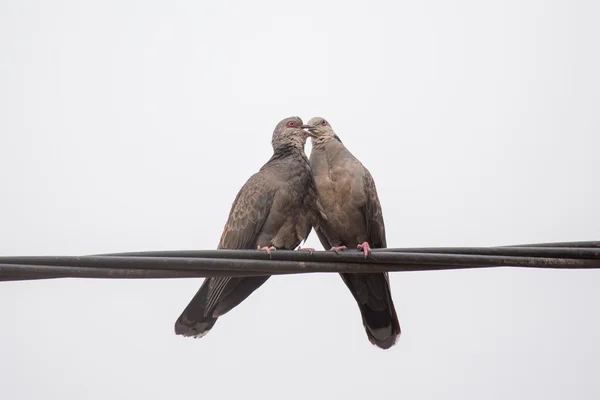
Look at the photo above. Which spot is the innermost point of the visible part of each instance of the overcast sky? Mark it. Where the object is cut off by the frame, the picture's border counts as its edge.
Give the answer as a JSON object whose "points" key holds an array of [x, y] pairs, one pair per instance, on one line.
{"points": [[131, 125]]}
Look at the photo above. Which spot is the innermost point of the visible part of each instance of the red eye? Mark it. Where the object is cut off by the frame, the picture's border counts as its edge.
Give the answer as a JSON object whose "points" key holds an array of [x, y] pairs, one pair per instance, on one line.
{"points": [[291, 124], [324, 123]]}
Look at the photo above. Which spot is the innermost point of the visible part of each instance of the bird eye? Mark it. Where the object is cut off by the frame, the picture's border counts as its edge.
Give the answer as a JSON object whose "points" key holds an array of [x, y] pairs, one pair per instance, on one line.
{"points": [[324, 123], [291, 124]]}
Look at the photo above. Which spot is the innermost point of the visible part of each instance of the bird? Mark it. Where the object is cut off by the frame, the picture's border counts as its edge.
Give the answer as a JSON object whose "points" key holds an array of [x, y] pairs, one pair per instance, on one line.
{"points": [[275, 209], [349, 197]]}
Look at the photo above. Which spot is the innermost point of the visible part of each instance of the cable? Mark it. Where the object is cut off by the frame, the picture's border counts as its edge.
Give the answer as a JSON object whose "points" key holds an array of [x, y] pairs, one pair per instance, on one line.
{"points": [[203, 263]]}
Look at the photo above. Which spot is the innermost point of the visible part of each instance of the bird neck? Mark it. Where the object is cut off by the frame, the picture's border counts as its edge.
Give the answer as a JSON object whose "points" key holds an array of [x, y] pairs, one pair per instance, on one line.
{"points": [[327, 143], [291, 145], [289, 149]]}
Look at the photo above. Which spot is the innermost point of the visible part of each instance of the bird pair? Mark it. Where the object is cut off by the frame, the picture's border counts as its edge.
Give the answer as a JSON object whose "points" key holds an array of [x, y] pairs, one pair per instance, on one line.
{"points": [[277, 208]]}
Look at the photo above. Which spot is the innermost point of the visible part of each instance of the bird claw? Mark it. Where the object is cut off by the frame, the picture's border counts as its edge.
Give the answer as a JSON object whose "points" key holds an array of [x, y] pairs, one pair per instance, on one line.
{"points": [[338, 249], [364, 246], [267, 249], [309, 249]]}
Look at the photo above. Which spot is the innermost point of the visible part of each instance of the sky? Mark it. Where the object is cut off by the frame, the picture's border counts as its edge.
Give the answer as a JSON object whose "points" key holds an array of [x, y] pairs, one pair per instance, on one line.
{"points": [[131, 126]]}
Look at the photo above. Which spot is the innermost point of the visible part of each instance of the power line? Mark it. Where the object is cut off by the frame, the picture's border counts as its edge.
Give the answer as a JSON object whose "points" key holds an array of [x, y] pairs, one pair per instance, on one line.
{"points": [[203, 263]]}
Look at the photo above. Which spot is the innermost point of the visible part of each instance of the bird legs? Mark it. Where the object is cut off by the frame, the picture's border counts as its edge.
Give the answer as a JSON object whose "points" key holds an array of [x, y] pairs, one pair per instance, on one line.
{"points": [[337, 249], [309, 249], [364, 246], [267, 249]]}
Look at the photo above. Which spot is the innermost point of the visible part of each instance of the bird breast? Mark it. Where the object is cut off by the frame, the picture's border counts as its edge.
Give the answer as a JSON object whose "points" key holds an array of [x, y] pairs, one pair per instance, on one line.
{"points": [[340, 190], [293, 221]]}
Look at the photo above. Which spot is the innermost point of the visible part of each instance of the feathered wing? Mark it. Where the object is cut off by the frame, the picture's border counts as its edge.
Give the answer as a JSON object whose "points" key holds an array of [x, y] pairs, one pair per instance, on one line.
{"points": [[372, 213], [218, 295], [372, 291]]}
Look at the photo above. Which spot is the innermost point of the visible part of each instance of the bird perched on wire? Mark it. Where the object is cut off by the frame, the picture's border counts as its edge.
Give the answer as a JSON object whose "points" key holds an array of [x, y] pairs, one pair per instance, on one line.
{"points": [[348, 195], [275, 209]]}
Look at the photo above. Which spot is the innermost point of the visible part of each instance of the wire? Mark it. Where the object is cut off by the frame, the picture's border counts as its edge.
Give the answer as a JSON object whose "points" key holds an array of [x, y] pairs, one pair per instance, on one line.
{"points": [[204, 263]]}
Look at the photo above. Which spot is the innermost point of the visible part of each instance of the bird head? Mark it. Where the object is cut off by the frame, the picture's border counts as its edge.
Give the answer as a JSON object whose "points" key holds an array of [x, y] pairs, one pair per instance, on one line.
{"points": [[290, 132], [320, 130]]}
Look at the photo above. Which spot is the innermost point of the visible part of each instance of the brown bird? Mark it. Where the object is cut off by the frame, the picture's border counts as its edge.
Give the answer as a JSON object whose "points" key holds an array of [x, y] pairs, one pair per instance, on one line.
{"points": [[348, 195], [275, 209]]}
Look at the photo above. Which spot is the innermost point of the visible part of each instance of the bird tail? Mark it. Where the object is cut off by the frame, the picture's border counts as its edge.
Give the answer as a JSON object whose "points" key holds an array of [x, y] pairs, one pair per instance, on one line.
{"points": [[216, 297], [193, 321], [374, 298]]}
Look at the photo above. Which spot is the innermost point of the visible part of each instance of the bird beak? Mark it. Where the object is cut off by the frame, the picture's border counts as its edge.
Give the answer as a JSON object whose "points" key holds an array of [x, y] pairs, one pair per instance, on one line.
{"points": [[309, 130]]}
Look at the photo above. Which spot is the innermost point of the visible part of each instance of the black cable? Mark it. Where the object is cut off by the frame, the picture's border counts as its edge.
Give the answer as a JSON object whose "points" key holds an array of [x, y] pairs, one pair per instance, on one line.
{"points": [[202, 263]]}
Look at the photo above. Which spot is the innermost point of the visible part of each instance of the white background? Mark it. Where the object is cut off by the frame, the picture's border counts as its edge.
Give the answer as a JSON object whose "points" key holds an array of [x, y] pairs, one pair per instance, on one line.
{"points": [[131, 125]]}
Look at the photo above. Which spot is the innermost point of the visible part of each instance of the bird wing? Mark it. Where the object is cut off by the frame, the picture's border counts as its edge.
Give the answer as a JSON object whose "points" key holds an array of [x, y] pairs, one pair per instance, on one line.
{"points": [[247, 216], [372, 213], [217, 295], [372, 291], [249, 212]]}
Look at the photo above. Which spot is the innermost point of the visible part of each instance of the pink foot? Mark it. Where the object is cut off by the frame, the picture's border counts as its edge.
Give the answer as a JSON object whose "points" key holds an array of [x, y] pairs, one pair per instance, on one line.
{"points": [[267, 249], [309, 249], [338, 248], [364, 246]]}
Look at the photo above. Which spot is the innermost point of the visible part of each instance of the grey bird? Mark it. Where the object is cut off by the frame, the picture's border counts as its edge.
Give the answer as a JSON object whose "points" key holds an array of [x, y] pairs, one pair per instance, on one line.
{"points": [[275, 209], [348, 195]]}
